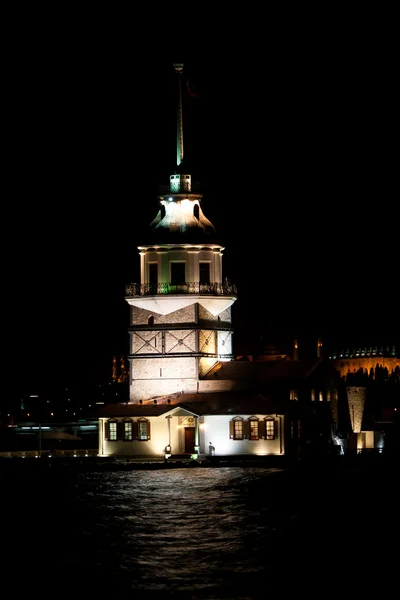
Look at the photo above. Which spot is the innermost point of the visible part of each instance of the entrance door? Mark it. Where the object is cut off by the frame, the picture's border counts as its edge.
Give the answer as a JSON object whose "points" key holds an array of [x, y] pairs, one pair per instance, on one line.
{"points": [[189, 439]]}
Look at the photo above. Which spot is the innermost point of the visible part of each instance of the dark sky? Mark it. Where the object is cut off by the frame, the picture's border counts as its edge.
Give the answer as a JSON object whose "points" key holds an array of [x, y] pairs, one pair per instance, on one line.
{"points": [[297, 149]]}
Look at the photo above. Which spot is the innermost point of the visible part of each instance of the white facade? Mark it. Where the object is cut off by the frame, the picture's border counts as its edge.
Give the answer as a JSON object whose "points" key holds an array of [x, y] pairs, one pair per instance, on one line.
{"points": [[179, 431]]}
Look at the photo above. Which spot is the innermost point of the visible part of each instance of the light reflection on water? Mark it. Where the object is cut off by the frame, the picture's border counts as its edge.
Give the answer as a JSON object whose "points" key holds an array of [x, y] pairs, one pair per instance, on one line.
{"points": [[180, 533], [183, 529]]}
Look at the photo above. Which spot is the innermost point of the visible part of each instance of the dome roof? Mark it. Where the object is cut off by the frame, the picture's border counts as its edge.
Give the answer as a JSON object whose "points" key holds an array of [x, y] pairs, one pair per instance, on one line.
{"points": [[181, 220]]}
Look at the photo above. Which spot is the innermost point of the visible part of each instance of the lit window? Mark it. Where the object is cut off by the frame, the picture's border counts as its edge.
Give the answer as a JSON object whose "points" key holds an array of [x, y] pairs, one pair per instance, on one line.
{"points": [[128, 431], [271, 429], [112, 431], [294, 395], [312, 395], [143, 430], [236, 429], [253, 429]]}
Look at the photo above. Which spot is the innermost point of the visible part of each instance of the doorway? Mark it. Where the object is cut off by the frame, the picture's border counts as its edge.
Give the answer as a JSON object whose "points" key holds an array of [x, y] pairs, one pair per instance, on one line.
{"points": [[189, 439]]}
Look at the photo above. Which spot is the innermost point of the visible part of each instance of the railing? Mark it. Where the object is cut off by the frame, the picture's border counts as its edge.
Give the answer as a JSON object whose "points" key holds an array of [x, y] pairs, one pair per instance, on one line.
{"points": [[73, 453], [204, 289], [183, 187]]}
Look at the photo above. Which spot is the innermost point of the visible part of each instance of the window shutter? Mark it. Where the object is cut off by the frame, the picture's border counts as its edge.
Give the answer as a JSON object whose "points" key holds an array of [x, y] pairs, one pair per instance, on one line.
{"points": [[262, 430], [276, 432], [135, 431], [231, 426], [257, 428], [120, 430], [246, 430], [106, 431], [148, 430]]}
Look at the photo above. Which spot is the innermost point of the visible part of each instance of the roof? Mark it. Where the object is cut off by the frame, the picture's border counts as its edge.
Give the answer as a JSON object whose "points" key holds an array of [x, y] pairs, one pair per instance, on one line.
{"points": [[200, 404], [288, 370]]}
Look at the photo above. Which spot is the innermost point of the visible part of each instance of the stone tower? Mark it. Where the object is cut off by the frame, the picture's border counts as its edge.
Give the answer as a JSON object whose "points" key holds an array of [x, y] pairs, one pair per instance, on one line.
{"points": [[180, 312]]}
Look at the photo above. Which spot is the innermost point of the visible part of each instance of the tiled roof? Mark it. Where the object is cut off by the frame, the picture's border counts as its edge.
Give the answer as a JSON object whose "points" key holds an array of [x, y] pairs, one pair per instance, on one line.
{"points": [[208, 403], [270, 370]]}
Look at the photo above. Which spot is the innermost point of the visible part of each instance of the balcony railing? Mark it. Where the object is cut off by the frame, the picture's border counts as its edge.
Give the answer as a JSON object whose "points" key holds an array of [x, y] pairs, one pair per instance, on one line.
{"points": [[204, 289], [182, 187]]}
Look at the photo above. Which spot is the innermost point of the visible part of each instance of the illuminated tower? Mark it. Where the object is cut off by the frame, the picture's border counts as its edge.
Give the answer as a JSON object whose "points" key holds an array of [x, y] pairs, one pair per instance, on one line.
{"points": [[180, 313]]}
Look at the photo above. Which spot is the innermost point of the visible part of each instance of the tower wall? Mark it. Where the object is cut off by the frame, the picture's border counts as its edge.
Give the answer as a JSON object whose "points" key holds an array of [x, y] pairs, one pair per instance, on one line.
{"points": [[192, 256], [151, 377]]}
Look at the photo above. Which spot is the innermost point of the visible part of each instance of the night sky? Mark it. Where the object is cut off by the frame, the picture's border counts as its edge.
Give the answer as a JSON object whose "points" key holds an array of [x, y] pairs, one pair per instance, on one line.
{"points": [[297, 150]]}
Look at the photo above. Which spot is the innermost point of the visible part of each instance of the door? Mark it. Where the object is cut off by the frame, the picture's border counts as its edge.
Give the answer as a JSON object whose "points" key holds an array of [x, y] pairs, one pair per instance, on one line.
{"points": [[189, 439]]}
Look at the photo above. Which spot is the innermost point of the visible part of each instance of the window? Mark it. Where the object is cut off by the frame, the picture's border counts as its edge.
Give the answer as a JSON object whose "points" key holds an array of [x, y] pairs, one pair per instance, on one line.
{"points": [[271, 428], [294, 395], [236, 429], [313, 395], [128, 431], [153, 277], [253, 427], [178, 273], [112, 431], [204, 272], [143, 430]]}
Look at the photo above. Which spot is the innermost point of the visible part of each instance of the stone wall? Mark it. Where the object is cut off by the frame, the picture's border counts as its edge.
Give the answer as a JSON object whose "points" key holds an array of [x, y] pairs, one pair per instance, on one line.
{"points": [[356, 399]]}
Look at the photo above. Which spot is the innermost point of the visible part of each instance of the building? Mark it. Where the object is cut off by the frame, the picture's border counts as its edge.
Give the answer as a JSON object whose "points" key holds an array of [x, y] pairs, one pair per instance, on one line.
{"points": [[187, 393]]}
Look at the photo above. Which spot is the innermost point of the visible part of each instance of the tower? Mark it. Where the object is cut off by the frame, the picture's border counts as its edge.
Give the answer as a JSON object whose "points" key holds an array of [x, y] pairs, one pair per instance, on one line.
{"points": [[180, 312]]}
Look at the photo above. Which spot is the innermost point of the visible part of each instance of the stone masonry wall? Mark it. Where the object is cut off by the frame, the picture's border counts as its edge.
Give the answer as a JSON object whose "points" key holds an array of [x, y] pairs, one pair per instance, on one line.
{"points": [[140, 316], [356, 399]]}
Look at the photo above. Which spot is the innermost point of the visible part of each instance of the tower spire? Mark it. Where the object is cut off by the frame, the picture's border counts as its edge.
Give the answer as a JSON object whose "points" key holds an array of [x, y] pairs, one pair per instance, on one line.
{"points": [[179, 121]]}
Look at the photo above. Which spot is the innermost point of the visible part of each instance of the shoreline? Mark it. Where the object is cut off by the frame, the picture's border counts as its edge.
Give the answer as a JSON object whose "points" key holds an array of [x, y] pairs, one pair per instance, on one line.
{"points": [[96, 463]]}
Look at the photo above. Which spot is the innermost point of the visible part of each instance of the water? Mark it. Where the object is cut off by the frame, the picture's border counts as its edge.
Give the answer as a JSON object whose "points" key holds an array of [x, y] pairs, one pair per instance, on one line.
{"points": [[205, 533]]}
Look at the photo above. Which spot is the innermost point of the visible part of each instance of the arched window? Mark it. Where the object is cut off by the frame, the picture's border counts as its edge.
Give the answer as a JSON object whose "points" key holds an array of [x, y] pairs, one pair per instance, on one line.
{"points": [[150, 321], [196, 211]]}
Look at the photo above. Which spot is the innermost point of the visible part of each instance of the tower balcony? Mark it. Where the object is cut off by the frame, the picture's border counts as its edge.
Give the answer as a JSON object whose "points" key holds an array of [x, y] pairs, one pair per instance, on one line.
{"points": [[180, 184], [195, 288]]}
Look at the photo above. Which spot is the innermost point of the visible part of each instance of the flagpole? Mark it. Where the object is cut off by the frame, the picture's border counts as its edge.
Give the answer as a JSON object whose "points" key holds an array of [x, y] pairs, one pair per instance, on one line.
{"points": [[179, 141]]}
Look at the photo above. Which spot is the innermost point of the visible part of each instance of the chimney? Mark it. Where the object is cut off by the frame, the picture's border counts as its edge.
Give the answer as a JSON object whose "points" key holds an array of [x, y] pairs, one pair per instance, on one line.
{"points": [[296, 350]]}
